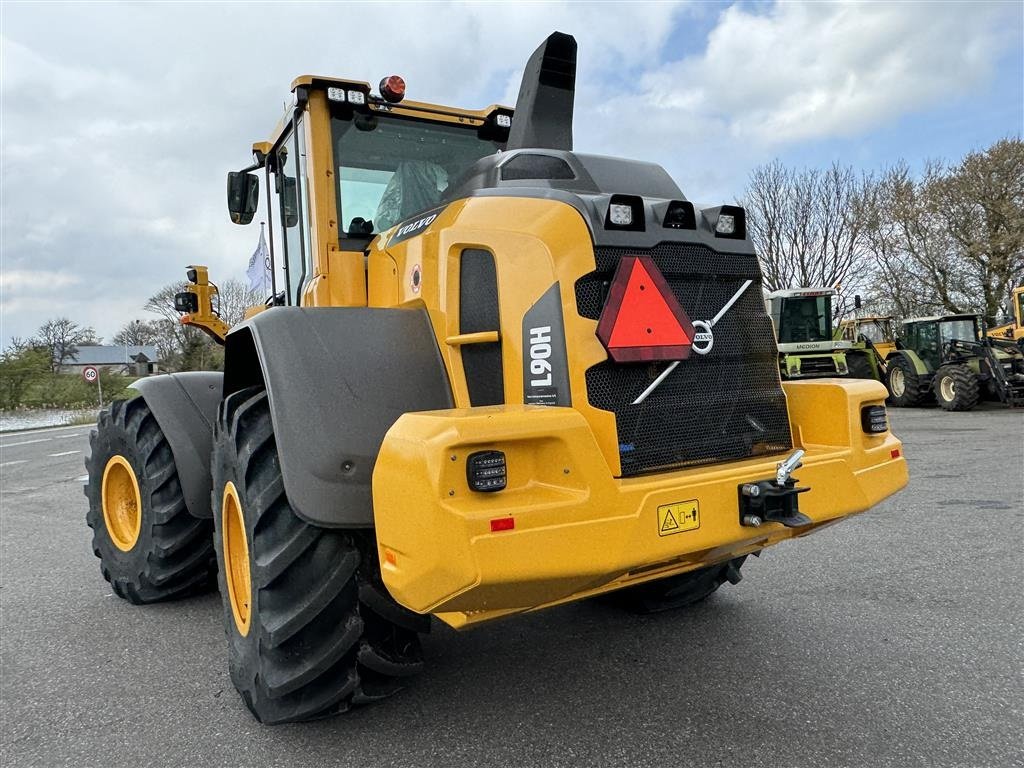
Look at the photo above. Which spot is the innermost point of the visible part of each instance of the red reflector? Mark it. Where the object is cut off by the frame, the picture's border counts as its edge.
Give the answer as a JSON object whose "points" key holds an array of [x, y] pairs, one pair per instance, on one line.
{"points": [[502, 524], [642, 319], [894, 453]]}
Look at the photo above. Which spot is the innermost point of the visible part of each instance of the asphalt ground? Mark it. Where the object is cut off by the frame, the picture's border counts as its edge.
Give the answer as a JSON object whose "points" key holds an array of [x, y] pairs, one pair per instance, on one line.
{"points": [[893, 639]]}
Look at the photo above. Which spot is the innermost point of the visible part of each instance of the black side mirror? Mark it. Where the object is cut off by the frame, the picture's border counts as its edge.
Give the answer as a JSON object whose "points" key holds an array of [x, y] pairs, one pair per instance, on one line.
{"points": [[243, 196]]}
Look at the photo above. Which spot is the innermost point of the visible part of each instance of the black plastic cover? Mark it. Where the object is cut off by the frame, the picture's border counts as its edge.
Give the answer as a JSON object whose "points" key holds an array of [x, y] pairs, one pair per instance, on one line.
{"points": [[337, 378], [543, 116], [185, 407]]}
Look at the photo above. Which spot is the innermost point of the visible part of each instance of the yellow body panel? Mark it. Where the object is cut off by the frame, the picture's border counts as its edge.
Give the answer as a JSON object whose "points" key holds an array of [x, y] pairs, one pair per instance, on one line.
{"points": [[536, 243], [579, 530]]}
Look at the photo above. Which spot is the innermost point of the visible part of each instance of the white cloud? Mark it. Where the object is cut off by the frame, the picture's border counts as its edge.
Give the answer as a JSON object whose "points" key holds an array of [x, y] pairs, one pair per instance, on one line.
{"points": [[811, 70], [120, 121]]}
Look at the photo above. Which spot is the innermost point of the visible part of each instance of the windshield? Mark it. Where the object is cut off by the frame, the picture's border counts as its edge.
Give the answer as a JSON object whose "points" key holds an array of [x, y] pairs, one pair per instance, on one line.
{"points": [[1020, 308], [962, 330], [390, 168], [875, 331], [805, 318]]}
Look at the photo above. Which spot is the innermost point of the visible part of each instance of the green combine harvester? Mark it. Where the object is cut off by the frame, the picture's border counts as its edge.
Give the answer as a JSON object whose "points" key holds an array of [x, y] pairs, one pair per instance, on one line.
{"points": [[808, 347]]}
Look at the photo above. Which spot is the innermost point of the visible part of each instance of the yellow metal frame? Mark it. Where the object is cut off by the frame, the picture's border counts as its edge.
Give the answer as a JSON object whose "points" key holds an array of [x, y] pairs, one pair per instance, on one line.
{"points": [[204, 317], [577, 530]]}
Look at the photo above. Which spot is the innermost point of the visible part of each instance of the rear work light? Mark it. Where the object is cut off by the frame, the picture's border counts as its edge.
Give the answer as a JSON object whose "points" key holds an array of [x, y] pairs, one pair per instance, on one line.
{"points": [[486, 472], [727, 221], [625, 212], [873, 419]]}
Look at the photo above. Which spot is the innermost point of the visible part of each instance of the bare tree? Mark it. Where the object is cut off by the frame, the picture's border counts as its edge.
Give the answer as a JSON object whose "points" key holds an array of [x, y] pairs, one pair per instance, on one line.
{"points": [[137, 333], [980, 205], [62, 338], [805, 229], [235, 298], [951, 240]]}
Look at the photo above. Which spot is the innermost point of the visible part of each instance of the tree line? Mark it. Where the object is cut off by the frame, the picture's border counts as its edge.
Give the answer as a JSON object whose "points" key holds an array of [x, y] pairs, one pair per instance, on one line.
{"points": [[947, 241], [30, 367]]}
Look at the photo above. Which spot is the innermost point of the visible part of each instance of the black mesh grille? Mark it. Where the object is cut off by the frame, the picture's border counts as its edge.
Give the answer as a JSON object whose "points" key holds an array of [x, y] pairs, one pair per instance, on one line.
{"points": [[821, 366], [723, 406]]}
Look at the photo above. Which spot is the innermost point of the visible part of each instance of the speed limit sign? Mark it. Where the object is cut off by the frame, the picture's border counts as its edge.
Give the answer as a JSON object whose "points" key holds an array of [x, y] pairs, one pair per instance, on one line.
{"points": [[90, 374]]}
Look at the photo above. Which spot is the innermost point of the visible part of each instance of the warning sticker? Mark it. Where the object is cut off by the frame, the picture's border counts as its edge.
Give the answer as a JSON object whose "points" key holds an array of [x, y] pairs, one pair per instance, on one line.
{"points": [[678, 517]]}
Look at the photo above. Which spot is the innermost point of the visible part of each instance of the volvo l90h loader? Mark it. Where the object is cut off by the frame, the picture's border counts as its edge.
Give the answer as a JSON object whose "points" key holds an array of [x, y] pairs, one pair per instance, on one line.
{"points": [[495, 375]]}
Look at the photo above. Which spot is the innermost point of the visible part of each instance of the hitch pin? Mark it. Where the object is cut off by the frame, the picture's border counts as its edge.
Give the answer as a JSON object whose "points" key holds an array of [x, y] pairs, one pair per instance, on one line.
{"points": [[787, 467]]}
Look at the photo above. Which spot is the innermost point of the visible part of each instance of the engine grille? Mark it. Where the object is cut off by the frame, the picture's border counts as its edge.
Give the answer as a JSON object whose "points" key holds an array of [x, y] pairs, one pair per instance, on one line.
{"points": [[818, 366], [723, 406]]}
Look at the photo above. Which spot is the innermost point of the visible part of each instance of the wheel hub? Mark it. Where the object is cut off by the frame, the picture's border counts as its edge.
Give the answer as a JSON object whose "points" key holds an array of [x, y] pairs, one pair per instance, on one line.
{"points": [[236, 559], [898, 382], [122, 503], [948, 388]]}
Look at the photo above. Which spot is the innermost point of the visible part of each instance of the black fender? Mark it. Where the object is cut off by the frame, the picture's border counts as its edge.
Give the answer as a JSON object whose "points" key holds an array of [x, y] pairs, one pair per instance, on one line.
{"points": [[185, 408], [337, 379]]}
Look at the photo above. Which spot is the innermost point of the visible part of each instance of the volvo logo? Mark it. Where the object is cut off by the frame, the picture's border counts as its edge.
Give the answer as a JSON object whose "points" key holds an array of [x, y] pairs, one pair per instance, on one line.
{"points": [[703, 340]]}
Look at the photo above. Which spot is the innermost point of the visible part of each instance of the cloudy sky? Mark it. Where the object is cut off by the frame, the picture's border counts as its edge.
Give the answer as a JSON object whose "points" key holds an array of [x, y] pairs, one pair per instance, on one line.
{"points": [[119, 121]]}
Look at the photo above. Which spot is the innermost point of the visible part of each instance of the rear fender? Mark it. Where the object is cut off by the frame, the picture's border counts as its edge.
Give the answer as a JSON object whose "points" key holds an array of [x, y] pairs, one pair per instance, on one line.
{"points": [[337, 378], [185, 408]]}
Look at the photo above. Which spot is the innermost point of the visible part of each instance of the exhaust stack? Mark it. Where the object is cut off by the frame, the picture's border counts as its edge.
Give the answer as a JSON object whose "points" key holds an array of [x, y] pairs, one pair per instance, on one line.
{"points": [[543, 116]]}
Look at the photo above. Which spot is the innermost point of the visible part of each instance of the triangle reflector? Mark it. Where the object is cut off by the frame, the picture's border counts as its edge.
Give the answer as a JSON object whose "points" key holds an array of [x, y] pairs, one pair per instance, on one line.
{"points": [[642, 319]]}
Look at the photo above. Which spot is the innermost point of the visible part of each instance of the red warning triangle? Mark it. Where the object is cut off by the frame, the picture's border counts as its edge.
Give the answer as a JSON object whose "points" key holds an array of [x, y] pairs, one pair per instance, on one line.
{"points": [[642, 319]]}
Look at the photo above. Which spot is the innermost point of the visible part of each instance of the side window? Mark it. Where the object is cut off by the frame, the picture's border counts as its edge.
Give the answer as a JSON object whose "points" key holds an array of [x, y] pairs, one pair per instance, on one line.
{"points": [[290, 184]]}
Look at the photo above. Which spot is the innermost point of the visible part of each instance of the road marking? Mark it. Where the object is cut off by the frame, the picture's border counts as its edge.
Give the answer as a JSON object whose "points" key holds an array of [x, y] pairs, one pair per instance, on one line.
{"points": [[9, 463], [65, 437], [20, 432], [65, 453], [27, 442], [81, 479]]}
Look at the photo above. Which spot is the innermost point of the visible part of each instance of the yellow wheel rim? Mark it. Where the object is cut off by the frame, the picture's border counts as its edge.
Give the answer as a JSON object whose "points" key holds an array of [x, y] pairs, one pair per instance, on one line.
{"points": [[236, 559], [122, 503]]}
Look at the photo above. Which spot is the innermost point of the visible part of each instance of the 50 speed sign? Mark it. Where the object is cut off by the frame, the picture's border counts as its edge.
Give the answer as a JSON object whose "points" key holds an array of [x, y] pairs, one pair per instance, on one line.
{"points": [[90, 374]]}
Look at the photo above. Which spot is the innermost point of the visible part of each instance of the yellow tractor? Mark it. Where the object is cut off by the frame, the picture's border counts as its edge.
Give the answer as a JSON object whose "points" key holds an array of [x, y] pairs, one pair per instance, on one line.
{"points": [[1013, 330], [495, 375], [875, 331]]}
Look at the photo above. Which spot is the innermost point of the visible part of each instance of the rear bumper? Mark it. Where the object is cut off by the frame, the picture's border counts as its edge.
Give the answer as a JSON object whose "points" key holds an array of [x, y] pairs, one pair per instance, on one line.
{"points": [[578, 531]]}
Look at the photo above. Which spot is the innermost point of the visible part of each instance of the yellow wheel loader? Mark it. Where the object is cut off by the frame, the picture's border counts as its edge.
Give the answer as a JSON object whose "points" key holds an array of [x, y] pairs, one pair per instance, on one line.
{"points": [[494, 375]]}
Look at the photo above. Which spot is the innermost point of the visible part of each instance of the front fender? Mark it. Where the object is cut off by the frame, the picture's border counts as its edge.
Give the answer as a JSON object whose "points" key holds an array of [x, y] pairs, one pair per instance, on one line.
{"points": [[185, 407]]}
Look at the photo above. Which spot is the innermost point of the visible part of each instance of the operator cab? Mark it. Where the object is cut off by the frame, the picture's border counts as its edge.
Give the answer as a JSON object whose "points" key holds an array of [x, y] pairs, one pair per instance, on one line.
{"points": [[931, 335], [802, 315]]}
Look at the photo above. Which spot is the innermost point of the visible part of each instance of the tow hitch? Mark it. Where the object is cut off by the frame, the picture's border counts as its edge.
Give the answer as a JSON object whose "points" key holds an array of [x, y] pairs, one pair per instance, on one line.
{"points": [[774, 501]]}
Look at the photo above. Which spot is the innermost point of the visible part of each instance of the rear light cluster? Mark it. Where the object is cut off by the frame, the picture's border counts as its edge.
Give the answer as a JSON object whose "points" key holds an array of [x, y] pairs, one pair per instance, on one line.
{"points": [[873, 419], [486, 472]]}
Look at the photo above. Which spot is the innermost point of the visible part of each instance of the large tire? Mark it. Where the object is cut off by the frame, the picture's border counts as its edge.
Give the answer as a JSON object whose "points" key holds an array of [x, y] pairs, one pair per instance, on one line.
{"points": [[311, 628], [678, 591], [150, 547], [956, 387], [906, 387], [859, 366]]}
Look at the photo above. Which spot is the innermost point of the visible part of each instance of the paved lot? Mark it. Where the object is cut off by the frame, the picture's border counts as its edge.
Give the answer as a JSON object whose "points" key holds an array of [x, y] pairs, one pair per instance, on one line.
{"points": [[894, 639]]}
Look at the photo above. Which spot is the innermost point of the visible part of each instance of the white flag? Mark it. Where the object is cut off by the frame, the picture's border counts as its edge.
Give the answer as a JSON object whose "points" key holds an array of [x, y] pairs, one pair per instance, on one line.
{"points": [[258, 271]]}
